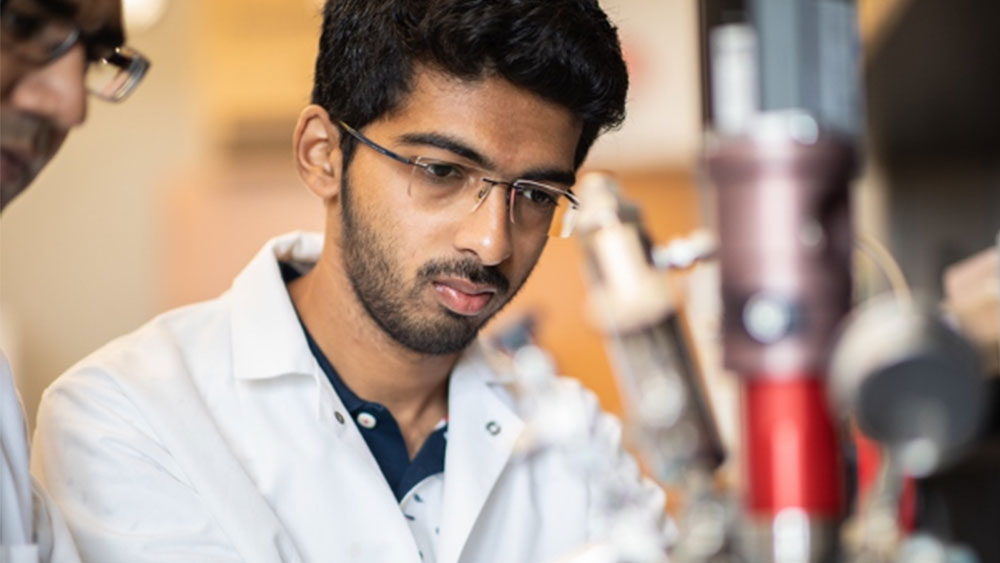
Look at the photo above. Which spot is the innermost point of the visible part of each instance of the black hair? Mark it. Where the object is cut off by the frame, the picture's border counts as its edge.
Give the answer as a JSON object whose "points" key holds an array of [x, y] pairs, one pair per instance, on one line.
{"points": [[565, 51]]}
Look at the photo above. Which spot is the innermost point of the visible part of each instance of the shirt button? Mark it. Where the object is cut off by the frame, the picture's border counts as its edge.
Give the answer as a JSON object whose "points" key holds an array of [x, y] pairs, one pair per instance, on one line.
{"points": [[367, 420]]}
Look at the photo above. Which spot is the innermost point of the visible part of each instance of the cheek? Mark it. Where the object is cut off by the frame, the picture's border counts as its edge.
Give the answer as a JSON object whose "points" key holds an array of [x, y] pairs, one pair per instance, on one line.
{"points": [[396, 225], [375, 201], [11, 71], [526, 255], [404, 238], [424, 239]]}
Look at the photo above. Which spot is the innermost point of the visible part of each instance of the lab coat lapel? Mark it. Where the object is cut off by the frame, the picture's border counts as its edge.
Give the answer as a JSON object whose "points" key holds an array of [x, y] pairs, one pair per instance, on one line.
{"points": [[482, 431], [269, 344]]}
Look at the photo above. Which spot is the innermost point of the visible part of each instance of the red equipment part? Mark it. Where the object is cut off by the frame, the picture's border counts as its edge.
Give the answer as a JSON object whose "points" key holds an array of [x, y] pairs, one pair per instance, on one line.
{"points": [[793, 459]]}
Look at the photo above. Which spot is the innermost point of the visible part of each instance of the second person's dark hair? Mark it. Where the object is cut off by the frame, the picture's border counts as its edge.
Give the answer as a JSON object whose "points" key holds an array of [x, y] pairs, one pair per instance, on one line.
{"points": [[565, 51]]}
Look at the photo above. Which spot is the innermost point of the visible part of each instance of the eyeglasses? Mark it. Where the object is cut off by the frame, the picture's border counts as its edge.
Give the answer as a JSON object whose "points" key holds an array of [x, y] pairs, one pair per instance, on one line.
{"points": [[34, 34], [436, 185]]}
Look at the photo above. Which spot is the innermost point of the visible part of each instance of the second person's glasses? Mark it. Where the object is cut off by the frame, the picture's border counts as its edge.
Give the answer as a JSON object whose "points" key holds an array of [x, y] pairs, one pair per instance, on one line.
{"points": [[36, 35]]}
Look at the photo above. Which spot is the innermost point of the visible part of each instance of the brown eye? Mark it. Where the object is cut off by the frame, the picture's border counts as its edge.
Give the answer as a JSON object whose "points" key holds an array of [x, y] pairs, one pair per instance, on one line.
{"points": [[442, 171], [536, 196]]}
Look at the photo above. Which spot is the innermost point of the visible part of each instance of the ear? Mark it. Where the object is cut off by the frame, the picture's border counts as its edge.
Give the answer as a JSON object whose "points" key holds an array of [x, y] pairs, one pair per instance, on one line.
{"points": [[317, 152]]}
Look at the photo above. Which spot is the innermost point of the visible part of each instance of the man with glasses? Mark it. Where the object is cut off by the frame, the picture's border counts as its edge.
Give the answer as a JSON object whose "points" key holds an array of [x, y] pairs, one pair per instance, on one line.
{"points": [[54, 52], [51, 53], [335, 404]]}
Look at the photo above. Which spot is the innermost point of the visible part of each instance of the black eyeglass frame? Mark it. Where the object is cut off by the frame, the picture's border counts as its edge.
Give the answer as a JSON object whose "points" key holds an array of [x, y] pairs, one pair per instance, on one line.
{"points": [[515, 185]]}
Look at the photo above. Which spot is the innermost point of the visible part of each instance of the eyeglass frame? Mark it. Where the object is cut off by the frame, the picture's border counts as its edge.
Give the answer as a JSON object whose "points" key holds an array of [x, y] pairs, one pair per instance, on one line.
{"points": [[513, 186], [136, 69]]}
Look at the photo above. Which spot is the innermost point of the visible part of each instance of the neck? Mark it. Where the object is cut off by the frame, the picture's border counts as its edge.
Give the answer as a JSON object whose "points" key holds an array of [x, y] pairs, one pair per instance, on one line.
{"points": [[411, 385]]}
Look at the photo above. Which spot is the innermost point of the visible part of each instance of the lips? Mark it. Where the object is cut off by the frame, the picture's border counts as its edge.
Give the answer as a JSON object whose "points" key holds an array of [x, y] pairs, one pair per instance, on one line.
{"points": [[462, 296]]}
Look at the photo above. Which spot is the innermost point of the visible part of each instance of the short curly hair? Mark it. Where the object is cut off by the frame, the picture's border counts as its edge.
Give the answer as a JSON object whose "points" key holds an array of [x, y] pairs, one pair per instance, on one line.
{"points": [[565, 51]]}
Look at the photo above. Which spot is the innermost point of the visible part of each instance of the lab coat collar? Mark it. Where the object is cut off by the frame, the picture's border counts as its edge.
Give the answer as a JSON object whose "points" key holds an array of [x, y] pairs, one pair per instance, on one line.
{"points": [[268, 341], [267, 337]]}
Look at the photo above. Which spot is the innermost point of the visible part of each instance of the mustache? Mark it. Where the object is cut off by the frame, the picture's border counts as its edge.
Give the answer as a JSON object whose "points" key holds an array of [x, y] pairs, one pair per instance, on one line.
{"points": [[27, 131], [466, 268]]}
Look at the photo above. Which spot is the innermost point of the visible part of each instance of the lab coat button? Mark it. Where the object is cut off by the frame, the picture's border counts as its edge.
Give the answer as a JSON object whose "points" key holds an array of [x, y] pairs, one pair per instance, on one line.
{"points": [[367, 420], [492, 427], [338, 416]]}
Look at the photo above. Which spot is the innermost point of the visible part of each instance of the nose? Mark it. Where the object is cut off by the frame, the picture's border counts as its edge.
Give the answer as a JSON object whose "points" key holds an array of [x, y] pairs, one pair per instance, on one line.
{"points": [[486, 232], [55, 91]]}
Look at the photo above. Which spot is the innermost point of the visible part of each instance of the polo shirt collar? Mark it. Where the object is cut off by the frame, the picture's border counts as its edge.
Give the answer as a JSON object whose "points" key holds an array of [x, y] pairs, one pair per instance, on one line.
{"points": [[351, 401]]}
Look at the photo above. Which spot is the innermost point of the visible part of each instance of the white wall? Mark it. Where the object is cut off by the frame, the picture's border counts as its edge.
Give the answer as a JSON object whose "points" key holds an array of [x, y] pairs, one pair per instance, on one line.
{"points": [[663, 128]]}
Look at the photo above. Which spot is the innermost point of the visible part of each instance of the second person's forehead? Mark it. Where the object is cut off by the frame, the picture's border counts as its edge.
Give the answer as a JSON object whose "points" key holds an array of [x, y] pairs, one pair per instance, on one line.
{"points": [[501, 121]]}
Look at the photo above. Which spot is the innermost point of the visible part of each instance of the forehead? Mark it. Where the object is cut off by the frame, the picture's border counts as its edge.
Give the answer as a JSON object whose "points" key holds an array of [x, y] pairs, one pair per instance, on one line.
{"points": [[508, 124]]}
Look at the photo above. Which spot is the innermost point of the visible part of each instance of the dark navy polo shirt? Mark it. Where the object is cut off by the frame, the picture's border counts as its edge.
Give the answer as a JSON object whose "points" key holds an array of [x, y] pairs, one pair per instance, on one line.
{"points": [[379, 428]]}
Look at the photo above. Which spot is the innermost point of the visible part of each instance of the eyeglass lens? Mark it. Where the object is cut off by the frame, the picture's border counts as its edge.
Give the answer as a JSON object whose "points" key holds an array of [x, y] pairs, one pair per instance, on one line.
{"points": [[116, 75], [534, 208]]}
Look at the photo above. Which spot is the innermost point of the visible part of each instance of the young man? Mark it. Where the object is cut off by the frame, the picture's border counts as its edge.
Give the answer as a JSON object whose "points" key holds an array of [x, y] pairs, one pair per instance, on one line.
{"points": [[334, 405], [51, 51]]}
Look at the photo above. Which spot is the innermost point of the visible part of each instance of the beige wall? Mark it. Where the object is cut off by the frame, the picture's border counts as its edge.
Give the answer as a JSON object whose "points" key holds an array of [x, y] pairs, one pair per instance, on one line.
{"points": [[78, 249]]}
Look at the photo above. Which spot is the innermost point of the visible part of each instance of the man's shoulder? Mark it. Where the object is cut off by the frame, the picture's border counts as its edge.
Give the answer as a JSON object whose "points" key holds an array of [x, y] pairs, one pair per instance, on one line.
{"points": [[160, 348]]}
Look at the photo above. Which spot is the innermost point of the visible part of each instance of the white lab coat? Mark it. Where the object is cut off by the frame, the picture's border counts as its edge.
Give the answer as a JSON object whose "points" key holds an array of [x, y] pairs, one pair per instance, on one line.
{"points": [[211, 434], [31, 528]]}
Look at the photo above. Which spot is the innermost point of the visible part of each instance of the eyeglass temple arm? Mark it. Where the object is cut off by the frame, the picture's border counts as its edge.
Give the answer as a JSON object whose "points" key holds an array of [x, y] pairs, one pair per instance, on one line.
{"points": [[371, 144]]}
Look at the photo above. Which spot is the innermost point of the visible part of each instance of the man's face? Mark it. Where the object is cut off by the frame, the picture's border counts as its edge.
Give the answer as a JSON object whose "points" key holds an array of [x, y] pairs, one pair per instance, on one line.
{"points": [[41, 102], [430, 279]]}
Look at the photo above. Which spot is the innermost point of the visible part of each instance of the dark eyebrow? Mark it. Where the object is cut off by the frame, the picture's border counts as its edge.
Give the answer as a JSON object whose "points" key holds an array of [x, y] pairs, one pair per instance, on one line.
{"points": [[60, 8], [449, 144], [553, 175], [105, 37], [550, 176]]}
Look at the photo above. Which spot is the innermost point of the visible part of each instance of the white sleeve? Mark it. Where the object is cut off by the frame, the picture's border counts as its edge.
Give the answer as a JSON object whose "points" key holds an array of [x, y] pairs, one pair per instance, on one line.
{"points": [[626, 518], [15, 482], [55, 543], [16, 534], [646, 498], [122, 494], [31, 529]]}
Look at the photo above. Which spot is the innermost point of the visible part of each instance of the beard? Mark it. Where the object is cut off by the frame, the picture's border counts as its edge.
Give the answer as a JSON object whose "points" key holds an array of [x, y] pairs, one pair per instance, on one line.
{"points": [[398, 307], [27, 141]]}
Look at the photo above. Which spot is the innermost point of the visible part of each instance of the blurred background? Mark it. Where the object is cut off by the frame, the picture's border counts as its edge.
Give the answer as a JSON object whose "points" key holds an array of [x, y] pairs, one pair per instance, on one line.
{"points": [[160, 201]]}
